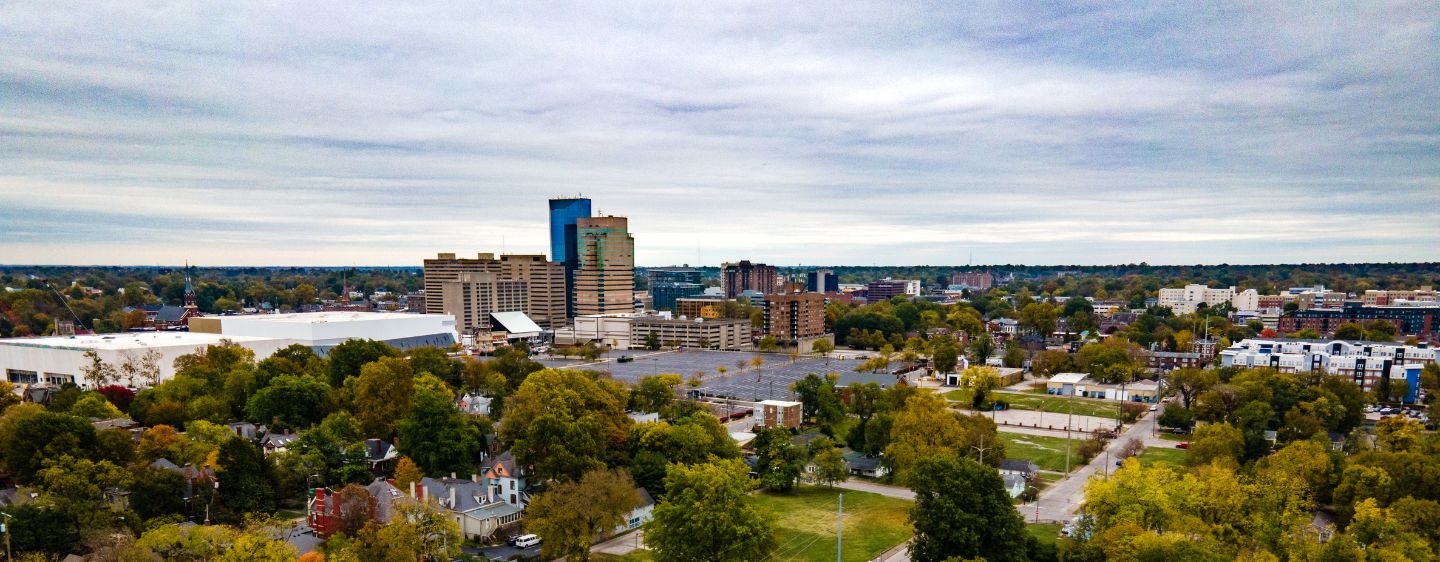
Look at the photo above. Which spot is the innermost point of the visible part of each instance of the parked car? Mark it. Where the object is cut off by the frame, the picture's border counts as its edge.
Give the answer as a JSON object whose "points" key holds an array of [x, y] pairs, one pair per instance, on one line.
{"points": [[526, 541], [1154, 407], [1182, 445]]}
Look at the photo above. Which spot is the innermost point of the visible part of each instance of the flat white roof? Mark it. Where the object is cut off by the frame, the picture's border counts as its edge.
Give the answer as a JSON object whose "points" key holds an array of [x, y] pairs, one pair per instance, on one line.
{"points": [[327, 316], [128, 340], [1068, 378], [516, 322], [780, 403]]}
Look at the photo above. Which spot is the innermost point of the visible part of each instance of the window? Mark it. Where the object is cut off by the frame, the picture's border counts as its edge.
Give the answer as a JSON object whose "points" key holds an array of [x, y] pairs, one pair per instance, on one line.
{"points": [[21, 376]]}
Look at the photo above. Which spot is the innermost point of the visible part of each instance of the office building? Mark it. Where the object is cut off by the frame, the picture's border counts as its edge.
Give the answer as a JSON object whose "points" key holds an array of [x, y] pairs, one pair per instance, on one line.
{"points": [[886, 289], [723, 333], [675, 275], [1187, 299], [701, 307], [795, 317], [822, 281], [472, 289], [663, 294], [746, 276], [1364, 363], [565, 214], [973, 280], [605, 276]]}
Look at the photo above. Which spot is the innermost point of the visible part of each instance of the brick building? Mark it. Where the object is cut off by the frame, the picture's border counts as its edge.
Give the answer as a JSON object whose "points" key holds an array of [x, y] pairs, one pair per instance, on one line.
{"points": [[795, 316], [746, 276]]}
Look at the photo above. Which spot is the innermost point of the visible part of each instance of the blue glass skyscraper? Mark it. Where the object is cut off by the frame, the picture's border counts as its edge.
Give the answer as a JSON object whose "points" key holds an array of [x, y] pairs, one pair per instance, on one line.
{"points": [[564, 246]]}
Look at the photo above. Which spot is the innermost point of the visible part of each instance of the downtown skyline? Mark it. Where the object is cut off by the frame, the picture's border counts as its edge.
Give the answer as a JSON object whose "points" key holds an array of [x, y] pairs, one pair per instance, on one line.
{"points": [[795, 135]]}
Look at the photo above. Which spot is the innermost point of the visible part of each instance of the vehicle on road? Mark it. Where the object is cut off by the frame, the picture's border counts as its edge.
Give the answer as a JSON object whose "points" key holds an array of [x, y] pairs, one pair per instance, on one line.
{"points": [[1182, 445], [1154, 407], [526, 541]]}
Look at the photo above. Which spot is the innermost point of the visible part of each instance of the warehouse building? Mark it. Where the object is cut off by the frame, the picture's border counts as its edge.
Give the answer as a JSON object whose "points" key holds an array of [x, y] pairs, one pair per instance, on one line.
{"points": [[323, 331], [135, 356]]}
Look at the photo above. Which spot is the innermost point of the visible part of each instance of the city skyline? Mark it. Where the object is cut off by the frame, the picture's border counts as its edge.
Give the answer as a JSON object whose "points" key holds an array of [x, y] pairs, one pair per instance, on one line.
{"points": [[792, 135]]}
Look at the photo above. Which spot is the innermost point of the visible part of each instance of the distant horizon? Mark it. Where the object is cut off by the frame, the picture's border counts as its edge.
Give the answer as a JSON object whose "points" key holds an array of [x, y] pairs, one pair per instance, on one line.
{"points": [[975, 266]]}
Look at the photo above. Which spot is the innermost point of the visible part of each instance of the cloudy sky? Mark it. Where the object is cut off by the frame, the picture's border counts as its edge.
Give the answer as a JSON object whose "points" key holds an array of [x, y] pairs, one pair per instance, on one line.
{"points": [[337, 133]]}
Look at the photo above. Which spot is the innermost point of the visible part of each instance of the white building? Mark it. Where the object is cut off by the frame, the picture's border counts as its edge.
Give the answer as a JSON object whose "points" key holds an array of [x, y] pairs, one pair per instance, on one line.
{"points": [[1187, 299], [606, 329], [322, 331], [61, 359], [1364, 363]]}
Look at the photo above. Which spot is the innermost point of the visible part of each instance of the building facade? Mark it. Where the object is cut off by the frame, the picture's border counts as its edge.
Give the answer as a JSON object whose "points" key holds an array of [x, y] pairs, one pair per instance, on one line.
{"points": [[886, 289], [1187, 299], [724, 333], [822, 281], [565, 214], [746, 276], [700, 307], [472, 289], [1418, 321], [605, 278], [795, 317], [675, 275], [973, 280], [663, 294], [1364, 363]]}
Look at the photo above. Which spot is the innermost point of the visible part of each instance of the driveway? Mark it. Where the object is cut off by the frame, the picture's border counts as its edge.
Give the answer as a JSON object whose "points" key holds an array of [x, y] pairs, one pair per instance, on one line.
{"points": [[504, 552], [897, 492]]}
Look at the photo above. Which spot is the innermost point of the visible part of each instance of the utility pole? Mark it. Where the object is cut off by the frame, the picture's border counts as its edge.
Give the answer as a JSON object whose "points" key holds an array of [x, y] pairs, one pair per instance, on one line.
{"points": [[981, 448], [840, 527], [7, 536], [1068, 419]]}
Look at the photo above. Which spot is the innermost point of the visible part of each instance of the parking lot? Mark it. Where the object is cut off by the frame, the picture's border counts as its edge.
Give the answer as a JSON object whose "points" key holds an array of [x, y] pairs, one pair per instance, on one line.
{"points": [[741, 379]]}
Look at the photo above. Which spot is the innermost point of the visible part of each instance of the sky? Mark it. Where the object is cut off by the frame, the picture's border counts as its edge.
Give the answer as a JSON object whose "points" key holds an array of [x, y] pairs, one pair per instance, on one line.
{"points": [[796, 133]]}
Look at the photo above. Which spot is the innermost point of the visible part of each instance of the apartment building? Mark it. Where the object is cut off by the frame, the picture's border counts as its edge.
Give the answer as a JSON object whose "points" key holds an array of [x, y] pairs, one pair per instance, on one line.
{"points": [[1418, 321], [745, 276], [1364, 363], [471, 289], [1187, 299], [887, 288], [795, 317]]}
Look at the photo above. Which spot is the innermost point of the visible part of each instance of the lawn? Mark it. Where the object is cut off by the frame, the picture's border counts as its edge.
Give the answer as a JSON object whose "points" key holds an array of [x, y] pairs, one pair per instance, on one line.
{"points": [[1047, 452], [1046, 533], [1060, 404], [1170, 455], [634, 556], [805, 528]]}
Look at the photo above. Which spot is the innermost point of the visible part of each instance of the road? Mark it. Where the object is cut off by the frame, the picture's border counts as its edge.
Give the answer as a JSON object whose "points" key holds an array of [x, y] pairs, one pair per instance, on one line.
{"points": [[1059, 501]]}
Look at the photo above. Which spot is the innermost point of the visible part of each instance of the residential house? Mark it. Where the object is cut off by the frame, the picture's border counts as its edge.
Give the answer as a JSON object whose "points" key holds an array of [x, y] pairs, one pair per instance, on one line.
{"points": [[195, 478], [1014, 484], [507, 480], [641, 515], [381, 455], [1022, 468], [474, 404], [244, 430], [869, 467], [473, 505], [277, 442]]}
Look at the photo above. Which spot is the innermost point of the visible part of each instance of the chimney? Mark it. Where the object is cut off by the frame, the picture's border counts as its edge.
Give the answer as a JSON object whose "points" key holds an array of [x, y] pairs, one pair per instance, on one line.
{"points": [[452, 497], [412, 490], [475, 478], [452, 475]]}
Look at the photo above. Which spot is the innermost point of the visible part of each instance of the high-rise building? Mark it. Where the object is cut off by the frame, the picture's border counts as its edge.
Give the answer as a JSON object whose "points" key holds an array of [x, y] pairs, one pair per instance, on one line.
{"points": [[675, 275], [605, 274], [564, 241], [664, 293], [746, 276], [822, 281], [795, 316], [975, 280], [472, 289], [885, 289]]}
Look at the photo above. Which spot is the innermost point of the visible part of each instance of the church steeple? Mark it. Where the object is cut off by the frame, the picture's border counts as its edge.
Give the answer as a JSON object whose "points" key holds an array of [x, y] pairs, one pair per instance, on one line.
{"points": [[189, 288]]}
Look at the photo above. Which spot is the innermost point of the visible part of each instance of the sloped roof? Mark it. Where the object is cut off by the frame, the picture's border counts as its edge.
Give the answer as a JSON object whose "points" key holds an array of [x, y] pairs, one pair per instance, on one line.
{"points": [[504, 467], [645, 498], [516, 322], [170, 313], [1018, 465]]}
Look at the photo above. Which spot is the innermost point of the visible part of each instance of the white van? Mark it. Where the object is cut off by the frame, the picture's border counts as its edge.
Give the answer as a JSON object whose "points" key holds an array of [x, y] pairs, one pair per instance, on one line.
{"points": [[526, 541]]}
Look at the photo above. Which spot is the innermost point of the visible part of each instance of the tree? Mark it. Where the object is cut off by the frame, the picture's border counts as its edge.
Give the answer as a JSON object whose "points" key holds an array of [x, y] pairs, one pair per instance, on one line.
{"points": [[830, 466], [1191, 382], [382, 395], [1216, 442], [1350, 331], [1014, 356], [981, 348], [946, 355], [436, 435], [780, 462], [708, 516], [38, 528], [652, 341], [352, 506], [1379, 330], [654, 393], [1039, 318], [564, 423], [925, 428], [962, 511], [97, 372], [819, 400], [571, 514], [246, 480], [346, 359], [406, 473], [1177, 417], [435, 361], [289, 402], [822, 346], [96, 406], [1050, 362], [156, 492], [768, 343], [46, 435]]}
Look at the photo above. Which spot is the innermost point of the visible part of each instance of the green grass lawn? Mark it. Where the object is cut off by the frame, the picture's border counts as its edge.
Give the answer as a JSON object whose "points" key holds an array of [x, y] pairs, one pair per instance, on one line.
{"points": [[805, 527], [961, 395], [1166, 435], [1170, 455], [633, 556], [1060, 404], [1047, 452], [1046, 533]]}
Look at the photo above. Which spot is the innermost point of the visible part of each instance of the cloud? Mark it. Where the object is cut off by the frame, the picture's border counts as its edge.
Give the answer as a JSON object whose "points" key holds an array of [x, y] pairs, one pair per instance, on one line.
{"points": [[330, 133]]}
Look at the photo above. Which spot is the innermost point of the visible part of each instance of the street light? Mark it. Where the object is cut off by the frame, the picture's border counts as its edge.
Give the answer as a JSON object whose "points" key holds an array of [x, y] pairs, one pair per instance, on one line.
{"points": [[6, 525], [212, 501]]}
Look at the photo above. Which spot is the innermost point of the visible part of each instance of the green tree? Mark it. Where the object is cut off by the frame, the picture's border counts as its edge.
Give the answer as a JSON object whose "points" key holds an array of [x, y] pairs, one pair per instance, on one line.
{"points": [[1039, 318], [47, 435], [1014, 356], [289, 402], [1051, 362], [652, 341], [564, 423], [946, 355], [1350, 331], [435, 361], [247, 482], [769, 343], [819, 400], [571, 514], [382, 395], [981, 348], [346, 359], [780, 462], [963, 512], [35, 527], [654, 393], [156, 492], [1189, 383], [1216, 441], [708, 516], [830, 466], [1379, 330], [822, 346], [435, 434]]}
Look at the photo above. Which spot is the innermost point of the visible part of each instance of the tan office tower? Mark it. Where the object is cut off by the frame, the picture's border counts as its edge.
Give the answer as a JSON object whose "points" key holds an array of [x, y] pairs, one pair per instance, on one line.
{"points": [[605, 279], [472, 289]]}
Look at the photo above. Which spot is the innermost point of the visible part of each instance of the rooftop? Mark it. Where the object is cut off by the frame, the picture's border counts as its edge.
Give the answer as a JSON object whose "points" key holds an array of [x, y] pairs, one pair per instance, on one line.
{"points": [[127, 340], [1068, 378], [330, 316]]}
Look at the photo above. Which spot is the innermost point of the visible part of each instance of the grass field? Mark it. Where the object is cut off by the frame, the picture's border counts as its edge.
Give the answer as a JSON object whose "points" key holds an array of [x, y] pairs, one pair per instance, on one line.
{"points": [[1047, 452], [634, 556], [1154, 455], [806, 524], [1060, 404]]}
